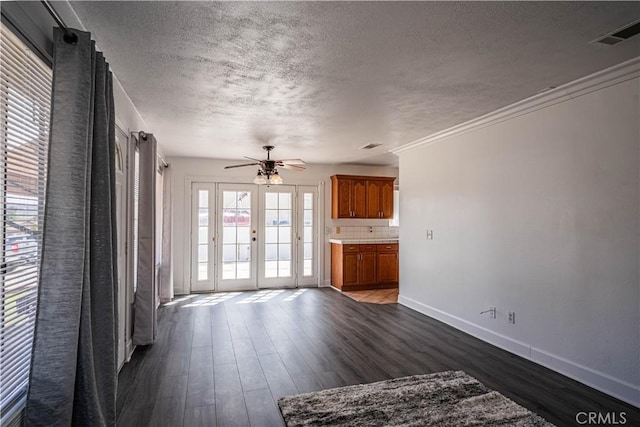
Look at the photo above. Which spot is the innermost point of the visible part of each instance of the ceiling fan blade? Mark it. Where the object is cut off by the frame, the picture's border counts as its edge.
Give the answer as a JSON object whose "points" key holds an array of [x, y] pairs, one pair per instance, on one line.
{"points": [[292, 167], [241, 166], [251, 158], [292, 162]]}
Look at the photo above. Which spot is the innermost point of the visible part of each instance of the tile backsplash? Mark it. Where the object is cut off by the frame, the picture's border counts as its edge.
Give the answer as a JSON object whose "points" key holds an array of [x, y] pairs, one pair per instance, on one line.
{"points": [[364, 232]]}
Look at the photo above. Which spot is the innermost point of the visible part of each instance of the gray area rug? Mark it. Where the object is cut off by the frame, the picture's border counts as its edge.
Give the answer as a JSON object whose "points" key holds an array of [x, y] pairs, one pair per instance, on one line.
{"points": [[450, 398]]}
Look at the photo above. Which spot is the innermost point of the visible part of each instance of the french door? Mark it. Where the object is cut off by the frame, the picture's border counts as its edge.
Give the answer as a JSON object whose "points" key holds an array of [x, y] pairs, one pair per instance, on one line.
{"points": [[307, 235], [203, 235], [236, 252], [276, 267], [246, 236]]}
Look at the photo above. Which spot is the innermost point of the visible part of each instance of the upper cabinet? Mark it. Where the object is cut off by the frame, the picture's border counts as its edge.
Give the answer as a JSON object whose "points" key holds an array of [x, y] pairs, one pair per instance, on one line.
{"points": [[380, 198], [348, 198], [361, 196]]}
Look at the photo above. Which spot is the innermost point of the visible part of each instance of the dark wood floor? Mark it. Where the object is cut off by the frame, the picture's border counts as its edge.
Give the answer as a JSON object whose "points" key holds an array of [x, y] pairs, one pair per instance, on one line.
{"points": [[225, 359]]}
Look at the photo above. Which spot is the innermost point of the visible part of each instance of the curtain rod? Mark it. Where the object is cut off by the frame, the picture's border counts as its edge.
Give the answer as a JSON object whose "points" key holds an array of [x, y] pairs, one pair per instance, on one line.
{"points": [[69, 36], [143, 135]]}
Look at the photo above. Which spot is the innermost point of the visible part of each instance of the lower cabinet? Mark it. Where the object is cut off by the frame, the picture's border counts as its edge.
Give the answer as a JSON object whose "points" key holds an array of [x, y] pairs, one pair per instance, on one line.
{"points": [[387, 267], [364, 266]]}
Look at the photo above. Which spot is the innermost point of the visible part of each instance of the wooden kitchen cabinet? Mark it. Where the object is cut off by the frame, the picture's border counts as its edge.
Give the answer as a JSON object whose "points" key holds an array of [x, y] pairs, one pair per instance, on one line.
{"points": [[364, 266], [367, 269], [348, 198], [387, 263], [380, 199], [354, 196], [351, 262]]}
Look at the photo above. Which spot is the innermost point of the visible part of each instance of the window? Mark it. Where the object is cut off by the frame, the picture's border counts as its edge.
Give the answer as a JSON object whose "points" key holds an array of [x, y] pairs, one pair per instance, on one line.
{"points": [[25, 99], [395, 221], [136, 193]]}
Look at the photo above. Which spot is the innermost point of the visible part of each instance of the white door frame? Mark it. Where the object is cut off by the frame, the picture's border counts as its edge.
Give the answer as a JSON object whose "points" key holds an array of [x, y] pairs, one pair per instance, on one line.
{"points": [[243, 250], [284, 281], [257, 280], [314, 278], [203, 281], [124, 215]]}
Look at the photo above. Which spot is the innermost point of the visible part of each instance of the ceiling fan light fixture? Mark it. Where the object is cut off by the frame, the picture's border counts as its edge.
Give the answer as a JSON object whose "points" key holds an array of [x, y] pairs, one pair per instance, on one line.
{"points": [[275, 178], [260, 179], [267, 172]]}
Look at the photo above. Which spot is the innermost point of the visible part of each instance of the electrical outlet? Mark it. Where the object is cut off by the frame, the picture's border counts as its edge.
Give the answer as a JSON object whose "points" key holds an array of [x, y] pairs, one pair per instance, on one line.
{"points": [[512, 317], [429, 234], [337, 230]]}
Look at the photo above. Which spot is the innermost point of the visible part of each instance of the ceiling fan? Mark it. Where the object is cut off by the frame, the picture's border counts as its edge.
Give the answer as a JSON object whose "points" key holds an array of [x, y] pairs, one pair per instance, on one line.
{"points": [[267, 170]]}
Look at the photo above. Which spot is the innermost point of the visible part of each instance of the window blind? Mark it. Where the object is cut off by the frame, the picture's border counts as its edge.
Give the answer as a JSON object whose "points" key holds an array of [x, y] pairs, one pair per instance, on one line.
{"points": [[25, 100], [136, 193]]}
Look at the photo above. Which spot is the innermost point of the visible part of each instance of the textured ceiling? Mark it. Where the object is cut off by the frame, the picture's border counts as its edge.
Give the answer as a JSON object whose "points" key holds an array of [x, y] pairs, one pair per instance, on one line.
{"points": [[319, 80]]}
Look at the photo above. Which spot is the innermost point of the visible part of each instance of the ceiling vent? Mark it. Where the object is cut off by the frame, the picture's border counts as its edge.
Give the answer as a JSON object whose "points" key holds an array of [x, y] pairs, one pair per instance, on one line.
{"points": [[370, 146], [620, 35]]}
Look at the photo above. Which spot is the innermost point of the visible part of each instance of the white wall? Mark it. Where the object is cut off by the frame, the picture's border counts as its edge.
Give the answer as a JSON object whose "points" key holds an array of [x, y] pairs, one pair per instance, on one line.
{"points": [[185, 170], [537, 214]]}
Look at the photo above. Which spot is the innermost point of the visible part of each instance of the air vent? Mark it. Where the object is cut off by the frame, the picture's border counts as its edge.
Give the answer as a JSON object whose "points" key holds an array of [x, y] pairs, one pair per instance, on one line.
{"points": [[620, 35], [610, 40], [370, 146]]}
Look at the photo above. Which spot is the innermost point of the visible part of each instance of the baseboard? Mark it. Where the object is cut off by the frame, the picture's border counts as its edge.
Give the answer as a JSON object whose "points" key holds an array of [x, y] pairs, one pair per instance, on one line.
{"points": [[504, 342], [605, 383], [325, 284], [615, 387], [372, 287]]}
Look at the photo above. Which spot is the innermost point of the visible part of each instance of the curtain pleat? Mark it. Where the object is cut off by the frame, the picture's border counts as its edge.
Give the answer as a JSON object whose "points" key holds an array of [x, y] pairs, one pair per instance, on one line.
{"points": [[73, 369], [146, 300]]}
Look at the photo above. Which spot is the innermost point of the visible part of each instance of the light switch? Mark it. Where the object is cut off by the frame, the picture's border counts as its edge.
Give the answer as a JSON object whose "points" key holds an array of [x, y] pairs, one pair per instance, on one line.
{"points": [[429, 234]]}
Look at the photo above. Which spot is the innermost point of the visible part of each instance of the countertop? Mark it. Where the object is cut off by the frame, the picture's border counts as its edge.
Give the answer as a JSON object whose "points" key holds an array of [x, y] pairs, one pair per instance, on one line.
{"points": [[365, 241]]}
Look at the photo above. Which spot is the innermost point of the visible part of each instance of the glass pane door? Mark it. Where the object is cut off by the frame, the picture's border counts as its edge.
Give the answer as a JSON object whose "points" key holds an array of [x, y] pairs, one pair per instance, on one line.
{"points": [[307, 235], [237, 225], [277, 266], [202, 237]]}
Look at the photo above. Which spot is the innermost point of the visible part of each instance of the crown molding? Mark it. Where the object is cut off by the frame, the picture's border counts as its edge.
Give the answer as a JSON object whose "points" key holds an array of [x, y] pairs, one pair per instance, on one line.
{"points": [[608, 77]]}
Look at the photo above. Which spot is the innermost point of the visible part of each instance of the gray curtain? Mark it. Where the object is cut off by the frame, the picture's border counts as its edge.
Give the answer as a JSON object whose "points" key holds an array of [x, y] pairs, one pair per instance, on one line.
{"points": [[73, 367], [166, 265], [145, 324]]}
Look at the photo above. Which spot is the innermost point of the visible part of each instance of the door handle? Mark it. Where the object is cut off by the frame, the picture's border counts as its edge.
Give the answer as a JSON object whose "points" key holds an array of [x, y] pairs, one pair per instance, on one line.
{"points": [[253, 239]]}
